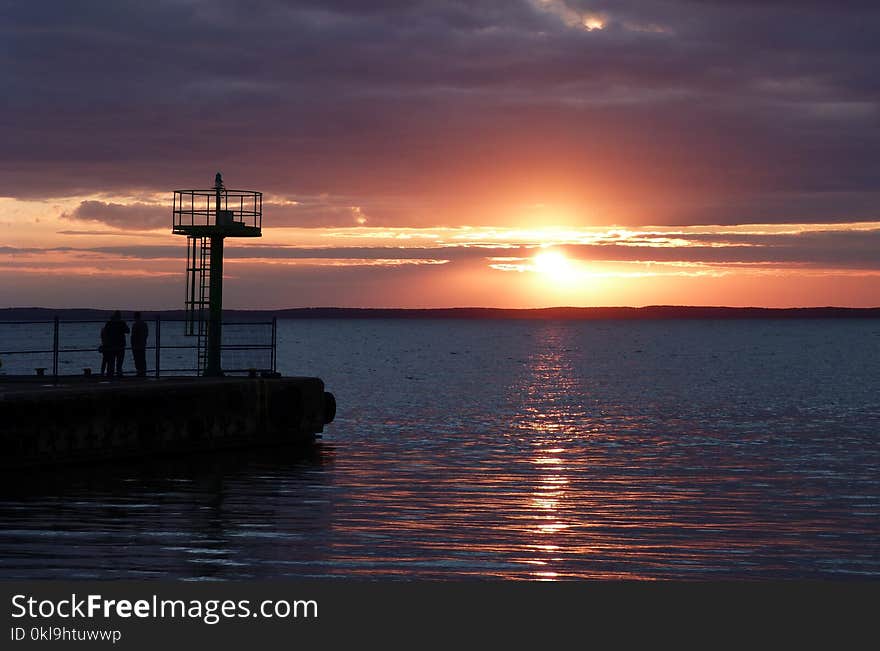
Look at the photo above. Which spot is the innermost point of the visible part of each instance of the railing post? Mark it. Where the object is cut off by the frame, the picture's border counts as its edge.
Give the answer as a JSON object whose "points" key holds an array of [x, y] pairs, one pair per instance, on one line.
{"points": [[274, 343], [55, 350], [158, 342]]}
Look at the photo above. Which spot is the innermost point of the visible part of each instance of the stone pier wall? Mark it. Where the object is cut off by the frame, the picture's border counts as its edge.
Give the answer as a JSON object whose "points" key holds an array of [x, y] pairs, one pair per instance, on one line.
{"points": [[86, 421]]}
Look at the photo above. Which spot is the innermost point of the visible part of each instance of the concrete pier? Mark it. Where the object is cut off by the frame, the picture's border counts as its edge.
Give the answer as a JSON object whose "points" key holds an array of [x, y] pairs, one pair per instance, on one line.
{"points": [[87, 419]]}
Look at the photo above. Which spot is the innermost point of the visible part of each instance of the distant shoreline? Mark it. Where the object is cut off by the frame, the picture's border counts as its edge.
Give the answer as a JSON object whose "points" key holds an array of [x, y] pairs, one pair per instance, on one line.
{"points": [[654, 312]]}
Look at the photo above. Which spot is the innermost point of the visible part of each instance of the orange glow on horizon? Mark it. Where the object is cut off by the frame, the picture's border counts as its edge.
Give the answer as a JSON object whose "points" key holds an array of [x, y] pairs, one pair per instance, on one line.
{"points": [[556, 261]]}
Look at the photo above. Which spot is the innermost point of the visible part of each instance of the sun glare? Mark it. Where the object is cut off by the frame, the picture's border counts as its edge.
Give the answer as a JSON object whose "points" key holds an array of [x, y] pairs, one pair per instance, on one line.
{"points": [[555, 266]]}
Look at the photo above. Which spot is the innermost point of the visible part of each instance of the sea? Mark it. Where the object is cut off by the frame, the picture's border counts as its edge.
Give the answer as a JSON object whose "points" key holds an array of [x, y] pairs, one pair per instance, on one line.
{"points": [[507, 449]]}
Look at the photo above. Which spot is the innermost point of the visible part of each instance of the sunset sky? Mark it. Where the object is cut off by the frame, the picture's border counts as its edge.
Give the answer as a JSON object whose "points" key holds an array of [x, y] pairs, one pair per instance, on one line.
{"points": [[515, 153]]}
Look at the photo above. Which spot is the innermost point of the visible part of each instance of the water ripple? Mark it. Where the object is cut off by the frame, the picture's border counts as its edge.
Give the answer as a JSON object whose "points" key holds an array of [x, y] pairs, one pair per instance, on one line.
{"points": [[541, 450]]}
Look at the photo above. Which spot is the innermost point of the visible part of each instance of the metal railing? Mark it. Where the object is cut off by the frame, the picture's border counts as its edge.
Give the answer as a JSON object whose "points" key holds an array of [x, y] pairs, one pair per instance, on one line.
{"points": [[71, 348], [199, 208]]}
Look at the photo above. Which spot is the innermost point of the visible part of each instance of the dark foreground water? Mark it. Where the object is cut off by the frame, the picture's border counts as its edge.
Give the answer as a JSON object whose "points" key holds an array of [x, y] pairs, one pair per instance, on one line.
{"points": [[501, 449]]}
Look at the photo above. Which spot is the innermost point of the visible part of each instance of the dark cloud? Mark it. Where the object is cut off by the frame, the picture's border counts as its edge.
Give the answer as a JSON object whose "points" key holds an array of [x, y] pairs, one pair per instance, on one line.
{"points": [[307, 212], [134, 216], [424, 112], [322, 212]]}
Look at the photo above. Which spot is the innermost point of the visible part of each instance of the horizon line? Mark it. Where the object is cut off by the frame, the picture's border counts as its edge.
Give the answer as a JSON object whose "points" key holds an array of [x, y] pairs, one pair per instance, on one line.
{"points": [[560, 310]]}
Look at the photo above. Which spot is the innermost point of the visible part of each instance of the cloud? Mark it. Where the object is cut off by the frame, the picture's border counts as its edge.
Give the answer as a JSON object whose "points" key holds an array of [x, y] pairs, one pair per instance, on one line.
{"points": [[442, 112], [846, 247], [301, 212], [133, 216], [331, 211]]}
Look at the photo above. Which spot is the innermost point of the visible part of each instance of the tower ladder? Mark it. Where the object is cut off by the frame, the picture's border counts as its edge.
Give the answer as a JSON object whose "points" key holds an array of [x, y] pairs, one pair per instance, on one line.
{"points": [[198, 295]]}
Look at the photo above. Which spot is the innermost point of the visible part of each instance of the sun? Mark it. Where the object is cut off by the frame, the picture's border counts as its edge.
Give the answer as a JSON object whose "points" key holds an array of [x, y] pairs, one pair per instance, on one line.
{"points": [[555, 266], [591, 23]]}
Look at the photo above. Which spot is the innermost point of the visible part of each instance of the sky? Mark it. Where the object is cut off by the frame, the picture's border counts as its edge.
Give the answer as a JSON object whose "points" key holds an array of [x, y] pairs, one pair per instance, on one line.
{"points": [[515, 153]]}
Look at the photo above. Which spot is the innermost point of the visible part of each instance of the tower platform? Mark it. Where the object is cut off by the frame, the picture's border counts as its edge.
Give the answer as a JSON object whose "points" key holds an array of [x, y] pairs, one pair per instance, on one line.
{"points": [[236, 229]]}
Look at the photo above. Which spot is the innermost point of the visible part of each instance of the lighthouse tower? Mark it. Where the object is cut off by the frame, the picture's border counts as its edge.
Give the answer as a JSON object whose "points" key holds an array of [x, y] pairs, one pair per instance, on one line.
{"points": [[207, 217]]}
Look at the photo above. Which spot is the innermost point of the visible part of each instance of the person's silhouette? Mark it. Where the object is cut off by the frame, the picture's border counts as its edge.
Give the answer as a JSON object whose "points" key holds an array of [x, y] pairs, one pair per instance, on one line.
{"points": [[116, 329], [107, 358]]}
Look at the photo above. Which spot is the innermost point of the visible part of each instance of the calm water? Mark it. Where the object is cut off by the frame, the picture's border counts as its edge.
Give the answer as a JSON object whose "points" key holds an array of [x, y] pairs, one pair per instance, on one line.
{"points": [[518, 450]]}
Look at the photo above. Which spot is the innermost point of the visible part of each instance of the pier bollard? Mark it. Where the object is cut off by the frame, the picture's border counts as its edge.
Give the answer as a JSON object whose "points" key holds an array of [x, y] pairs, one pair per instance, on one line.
{"points": [[329, 407]]}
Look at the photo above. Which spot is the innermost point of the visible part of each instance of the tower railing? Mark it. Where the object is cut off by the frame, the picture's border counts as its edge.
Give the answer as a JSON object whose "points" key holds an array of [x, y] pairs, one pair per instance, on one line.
{"points": [[193, 208]]}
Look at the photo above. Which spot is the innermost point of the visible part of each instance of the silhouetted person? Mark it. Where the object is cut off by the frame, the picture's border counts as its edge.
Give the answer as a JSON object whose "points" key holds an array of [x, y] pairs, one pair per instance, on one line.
{"points": [[139, 334], [116, 330], [107, 358]]}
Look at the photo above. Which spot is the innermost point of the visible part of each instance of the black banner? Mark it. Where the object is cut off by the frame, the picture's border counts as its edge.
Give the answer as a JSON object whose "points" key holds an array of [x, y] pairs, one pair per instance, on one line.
{"points": [[268, 615]]}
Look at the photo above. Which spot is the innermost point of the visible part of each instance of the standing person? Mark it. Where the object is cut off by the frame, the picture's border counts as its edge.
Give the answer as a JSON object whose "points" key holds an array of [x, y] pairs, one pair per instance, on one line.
{"points": [[116, 331], [107, 358], [139, 334]]}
